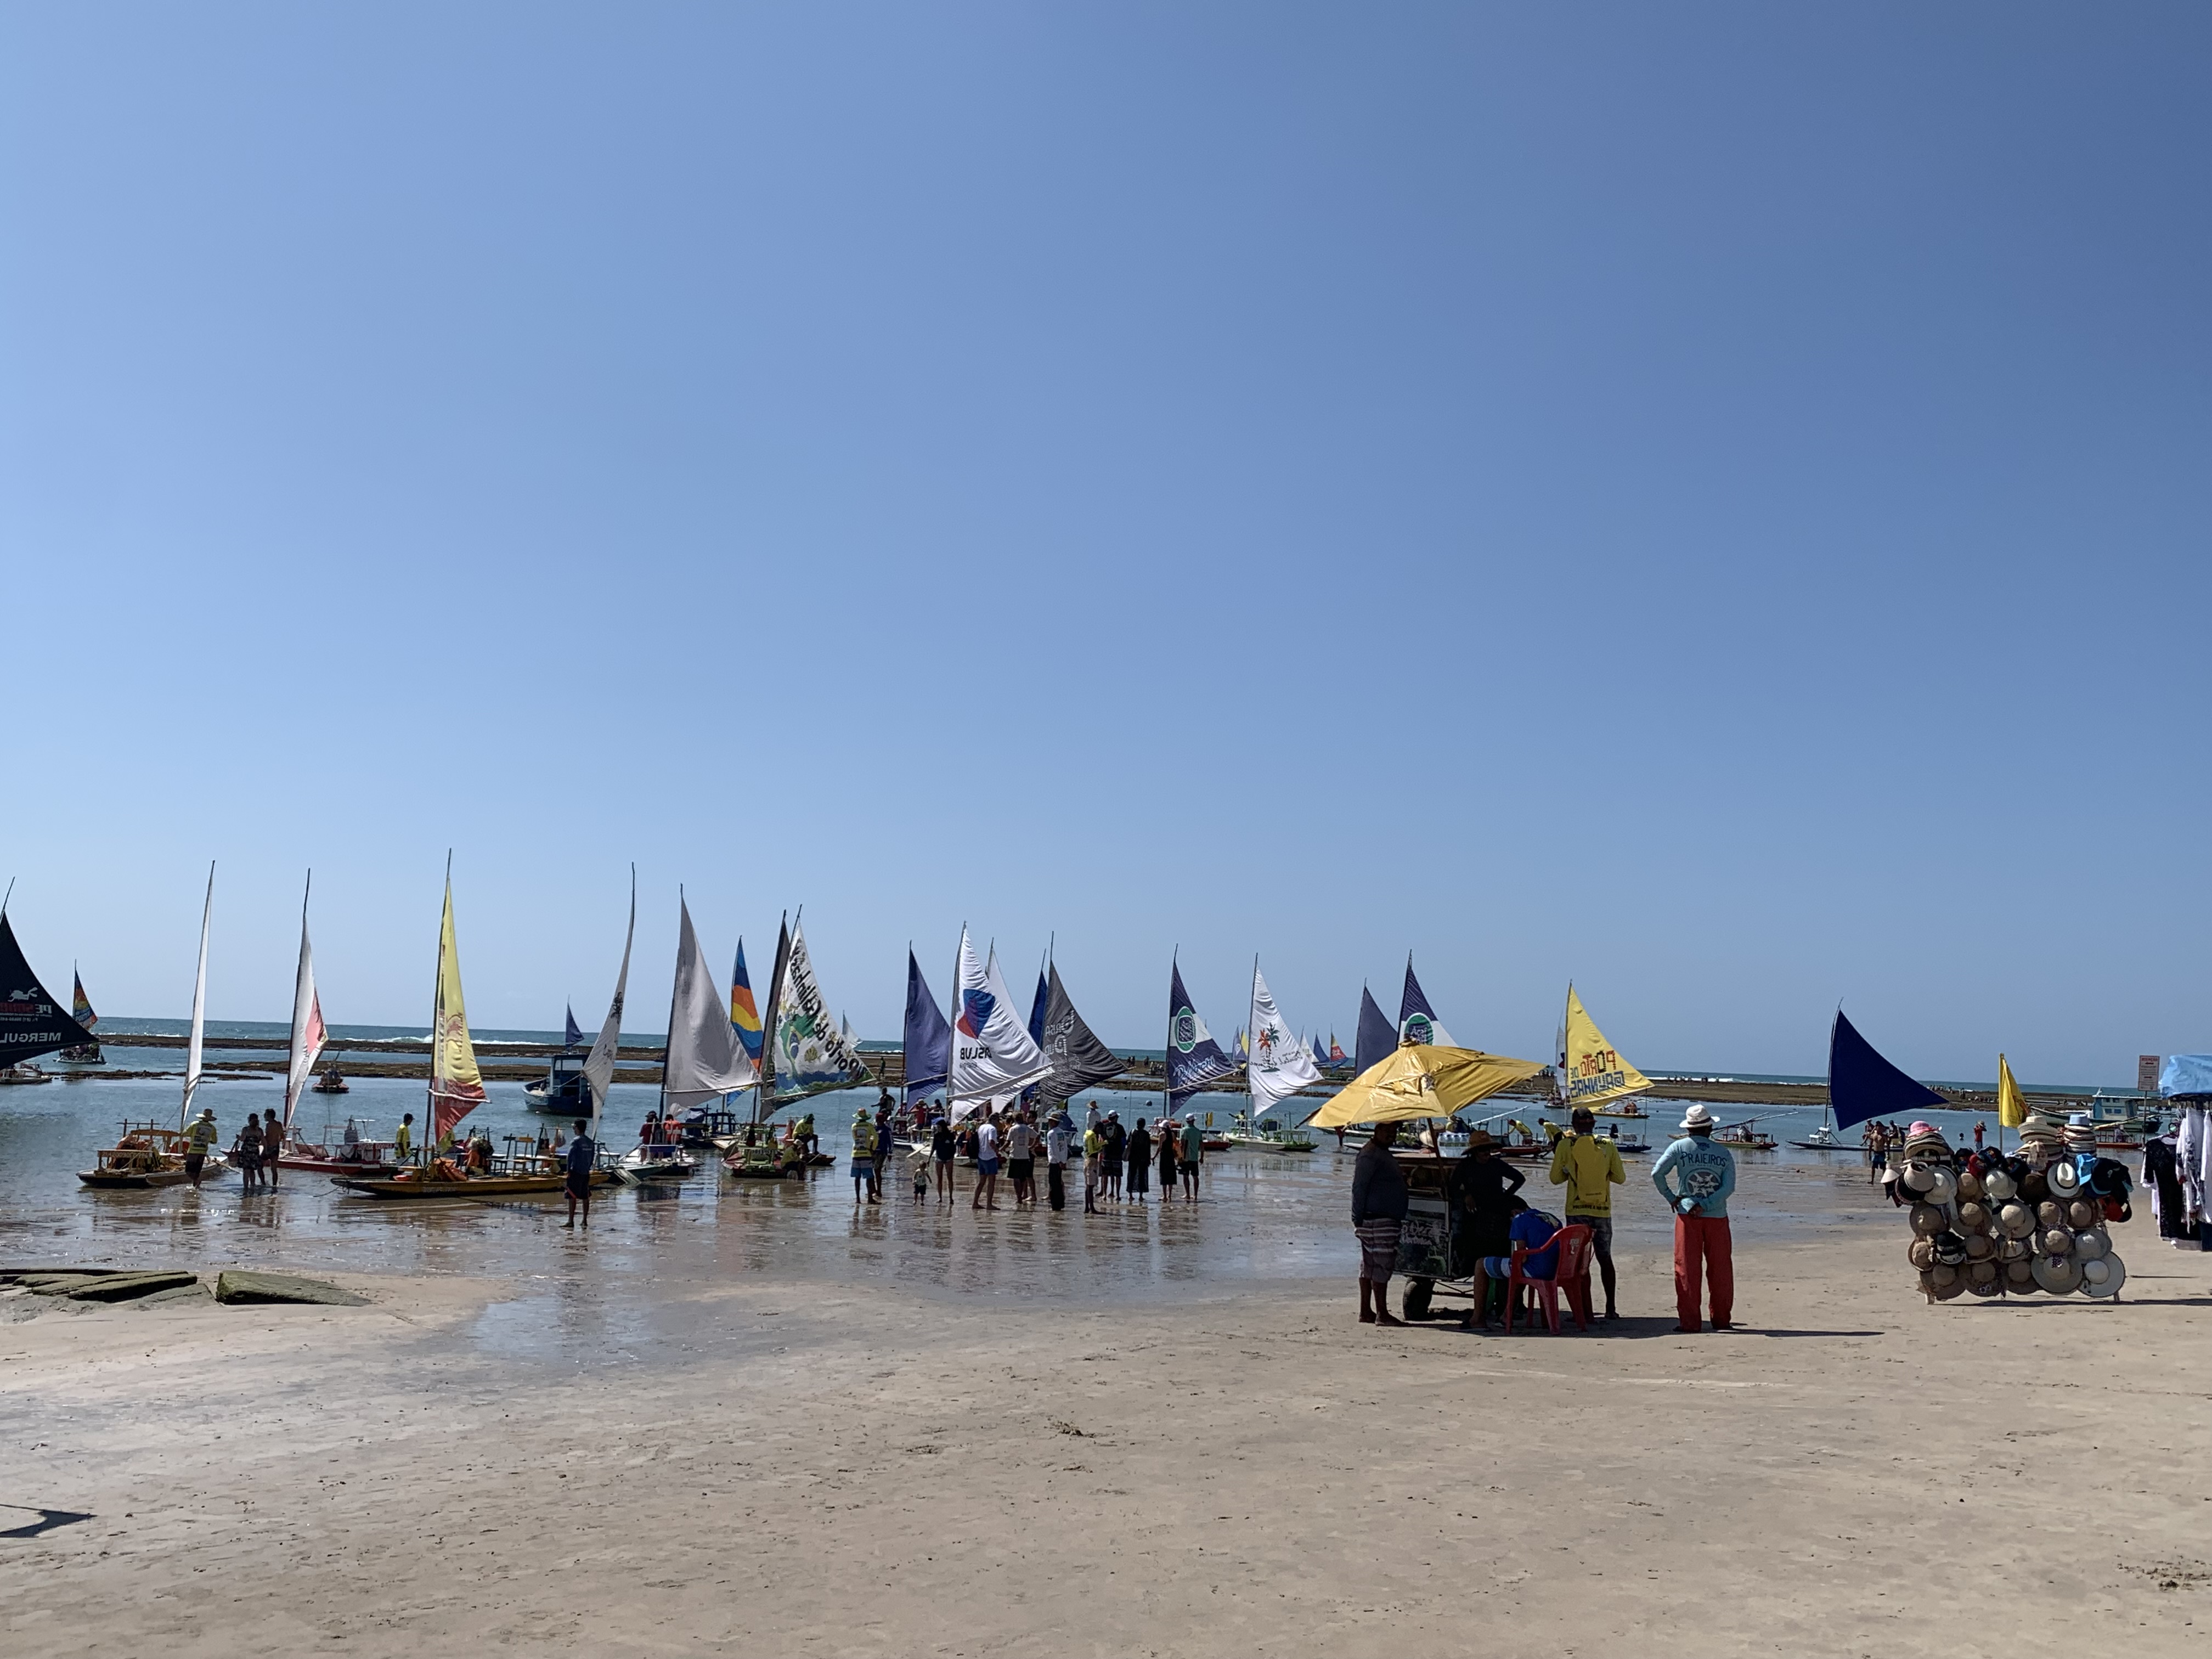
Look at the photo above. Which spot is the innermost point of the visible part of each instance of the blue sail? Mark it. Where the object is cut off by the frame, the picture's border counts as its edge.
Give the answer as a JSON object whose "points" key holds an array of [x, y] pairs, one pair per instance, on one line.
{"points": [[928, 1039], [575, 1033], [1377, 1035], [1416, 1019], [1195, 1058], [1037, 1030], [1319, 1054], [1862, 1084]]}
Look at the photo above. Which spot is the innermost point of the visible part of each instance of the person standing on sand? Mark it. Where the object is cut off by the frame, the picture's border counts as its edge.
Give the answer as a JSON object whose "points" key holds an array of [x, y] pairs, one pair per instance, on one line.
{"points": [[272, 1143], [1695, 1176], [1056, 1140], [246, 1151], [944, 1147], [1378, 1216], [1139, 1162], [1166, 1130], [583, 1154], [1589, 1166], [1094, 1165], [987, 1166], [882, 1140], [1116, 1137], [1193, 1150]]}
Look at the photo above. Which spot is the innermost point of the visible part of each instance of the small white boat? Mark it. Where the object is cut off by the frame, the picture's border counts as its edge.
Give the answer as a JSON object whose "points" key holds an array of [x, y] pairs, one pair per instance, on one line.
{"points": [[659, 1161], [24, 1073]]}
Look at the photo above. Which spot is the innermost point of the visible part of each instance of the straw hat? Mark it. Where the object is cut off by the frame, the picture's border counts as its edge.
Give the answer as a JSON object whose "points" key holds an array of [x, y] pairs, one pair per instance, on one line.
{"points": [[2064, 1176], [2018, 1275], [2107, 1282], [1918, 1177], [1943, 1274], [2015, 1219], [1957, 1287], [2055, 1240], [1700, 1117], [2051, 1213], [1970, 1184], [2091, 1244], [1950, 1249], [1943, 1185], [2039, 1128], [2013, 1249], [2033, 1187], [2082, 1213], [1980, 1273], [1927, 1220], [2080, 1134], [1980, 1247], [1998, 1185], [1973, 1218], [1921, 1253], [2060, 1275]]}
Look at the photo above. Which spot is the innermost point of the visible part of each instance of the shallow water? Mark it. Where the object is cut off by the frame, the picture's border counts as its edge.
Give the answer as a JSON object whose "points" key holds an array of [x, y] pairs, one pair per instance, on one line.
{"points": [[1263, 1218]]}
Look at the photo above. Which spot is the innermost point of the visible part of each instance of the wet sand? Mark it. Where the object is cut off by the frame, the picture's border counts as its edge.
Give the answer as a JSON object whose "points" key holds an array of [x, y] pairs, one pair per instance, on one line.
{"points": [[765, 1464]]}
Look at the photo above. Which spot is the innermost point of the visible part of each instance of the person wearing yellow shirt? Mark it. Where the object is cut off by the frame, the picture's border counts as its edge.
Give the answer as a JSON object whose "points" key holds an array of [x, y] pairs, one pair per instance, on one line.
{"points": [[1588, 1164], [1094, 1158]]}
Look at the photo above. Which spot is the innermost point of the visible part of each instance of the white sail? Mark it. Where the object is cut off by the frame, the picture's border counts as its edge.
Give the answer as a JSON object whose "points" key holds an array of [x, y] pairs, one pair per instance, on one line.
{"points": [[993, 1053], [599, 1064], [704, 1057], [199, 1007], [1280, 1065], [810, 1051], [308, 1028]]}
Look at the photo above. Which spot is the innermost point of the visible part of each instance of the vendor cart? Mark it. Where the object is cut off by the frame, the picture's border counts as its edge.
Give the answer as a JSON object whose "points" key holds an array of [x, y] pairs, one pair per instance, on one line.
{"points": [[1429, 1249]]}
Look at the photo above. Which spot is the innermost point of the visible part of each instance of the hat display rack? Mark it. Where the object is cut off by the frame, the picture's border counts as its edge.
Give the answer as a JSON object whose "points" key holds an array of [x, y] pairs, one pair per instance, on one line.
{"points": [[2035, 1222]]}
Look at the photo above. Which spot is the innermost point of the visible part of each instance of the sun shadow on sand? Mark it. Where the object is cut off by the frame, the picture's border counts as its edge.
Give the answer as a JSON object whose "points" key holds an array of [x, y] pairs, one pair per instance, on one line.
{"points": [[1635, 1327], [48, 1519]]}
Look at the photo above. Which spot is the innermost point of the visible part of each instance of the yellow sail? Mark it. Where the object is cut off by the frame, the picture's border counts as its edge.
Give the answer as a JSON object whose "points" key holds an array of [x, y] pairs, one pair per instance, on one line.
{"points": [[456, 1086], [2012, 1110], [1594, 1073]]}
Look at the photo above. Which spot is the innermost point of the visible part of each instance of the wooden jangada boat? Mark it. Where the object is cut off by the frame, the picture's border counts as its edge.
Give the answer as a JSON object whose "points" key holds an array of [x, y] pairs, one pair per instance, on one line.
{"points": [[1745, 1137], [143, 1155]]}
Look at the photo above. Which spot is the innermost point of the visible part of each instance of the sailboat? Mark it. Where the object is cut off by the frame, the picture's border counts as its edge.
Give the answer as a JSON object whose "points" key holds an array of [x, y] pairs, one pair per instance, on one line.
{"points": [[80, 1054], [1195, 1060], [152, 1154], [1277, 1066], [351, 1152], [456, 1089], [806, 1053]]}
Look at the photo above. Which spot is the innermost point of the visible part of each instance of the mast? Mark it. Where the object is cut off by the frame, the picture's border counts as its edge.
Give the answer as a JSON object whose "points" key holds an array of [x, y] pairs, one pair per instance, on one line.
{"points": [[437, 1026], [199, 1007], [1252, 1024]]}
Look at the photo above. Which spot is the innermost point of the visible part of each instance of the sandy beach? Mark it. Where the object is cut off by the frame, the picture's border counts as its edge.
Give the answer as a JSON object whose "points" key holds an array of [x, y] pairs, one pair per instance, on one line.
{"points": [[748, 1465]]}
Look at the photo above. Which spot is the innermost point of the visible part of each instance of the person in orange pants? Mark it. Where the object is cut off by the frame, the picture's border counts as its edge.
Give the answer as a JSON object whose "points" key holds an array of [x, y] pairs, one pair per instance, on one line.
{"points": [[1696, 1177]]}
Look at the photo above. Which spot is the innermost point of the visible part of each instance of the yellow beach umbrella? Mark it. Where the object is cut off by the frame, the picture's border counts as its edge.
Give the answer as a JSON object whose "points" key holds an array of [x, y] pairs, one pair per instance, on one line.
{"points": [[1422, 1080]]}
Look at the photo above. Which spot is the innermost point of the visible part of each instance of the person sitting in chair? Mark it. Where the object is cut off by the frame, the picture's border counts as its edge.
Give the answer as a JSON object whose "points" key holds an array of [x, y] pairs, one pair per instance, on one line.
{"points": [[1539, 1232]]}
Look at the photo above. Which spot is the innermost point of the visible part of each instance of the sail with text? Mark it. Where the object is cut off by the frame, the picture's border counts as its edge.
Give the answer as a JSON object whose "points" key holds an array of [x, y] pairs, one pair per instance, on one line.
{"points": [[456, 1085], [992, 1054], [31, 1022], [1336, 1055], [1280, 1065], [811, 1054], [308, 1031], [1416, 1019], [1194, 1060], [705, 1060], [744, 1014], [1377, 1039], [1594, 1073], [1080, 1060], [926, 1038]]}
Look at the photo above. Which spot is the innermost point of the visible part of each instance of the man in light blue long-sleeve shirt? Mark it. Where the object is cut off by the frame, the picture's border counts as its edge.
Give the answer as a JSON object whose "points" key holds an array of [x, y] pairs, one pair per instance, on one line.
{"points": [[1696, 1177]]}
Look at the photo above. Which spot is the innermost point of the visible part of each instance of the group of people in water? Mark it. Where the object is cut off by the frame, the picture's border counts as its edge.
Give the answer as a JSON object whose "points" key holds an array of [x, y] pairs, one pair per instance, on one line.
{"points": [[1008, 1144]]}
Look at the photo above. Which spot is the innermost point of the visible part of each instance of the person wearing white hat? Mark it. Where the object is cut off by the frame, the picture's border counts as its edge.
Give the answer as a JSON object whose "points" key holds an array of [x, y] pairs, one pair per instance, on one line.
{"points": [[1695, 1176]]}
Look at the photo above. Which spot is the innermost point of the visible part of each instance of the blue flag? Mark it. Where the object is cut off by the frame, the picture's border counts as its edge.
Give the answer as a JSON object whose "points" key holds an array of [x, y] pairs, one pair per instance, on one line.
{"points": [[1195, 1058], [928, 1039], [1378, 1036], [1862, 1084]]}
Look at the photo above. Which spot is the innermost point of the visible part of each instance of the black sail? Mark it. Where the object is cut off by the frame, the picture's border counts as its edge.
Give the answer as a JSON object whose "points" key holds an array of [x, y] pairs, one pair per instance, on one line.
{"points": [[1079, 1059], [32, 1021]]}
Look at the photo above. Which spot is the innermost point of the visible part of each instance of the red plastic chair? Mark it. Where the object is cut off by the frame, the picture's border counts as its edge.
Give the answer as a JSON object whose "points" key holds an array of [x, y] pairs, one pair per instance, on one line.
{"points": [[1573, 1273]]}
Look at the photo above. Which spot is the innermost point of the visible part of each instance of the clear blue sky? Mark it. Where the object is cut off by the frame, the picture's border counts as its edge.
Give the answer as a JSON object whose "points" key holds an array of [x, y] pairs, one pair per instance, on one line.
{"points": [[1712, 501]]}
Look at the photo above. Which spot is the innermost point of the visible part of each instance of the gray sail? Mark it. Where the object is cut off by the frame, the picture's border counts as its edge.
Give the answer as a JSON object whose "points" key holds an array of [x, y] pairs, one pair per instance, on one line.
{"points": [[1080, 1060]]}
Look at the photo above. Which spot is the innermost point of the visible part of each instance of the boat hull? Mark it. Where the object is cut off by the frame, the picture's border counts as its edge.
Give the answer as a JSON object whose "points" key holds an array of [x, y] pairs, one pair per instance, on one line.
{"points": [[128, 1181], [478, 1187]]}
